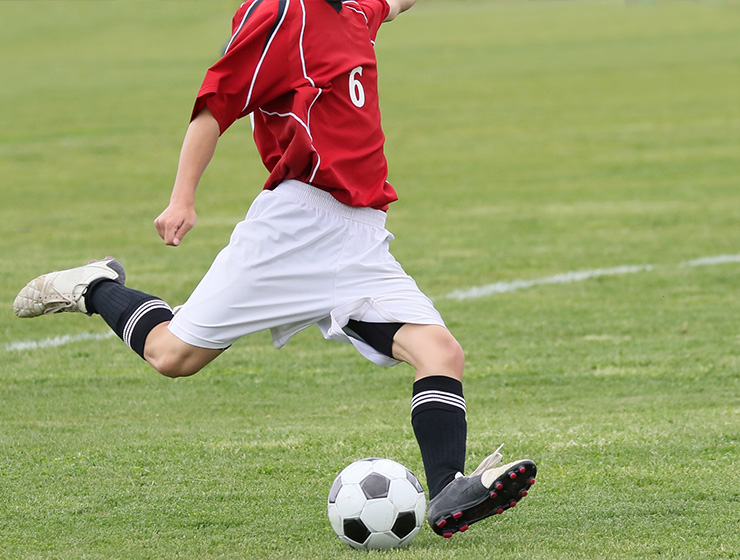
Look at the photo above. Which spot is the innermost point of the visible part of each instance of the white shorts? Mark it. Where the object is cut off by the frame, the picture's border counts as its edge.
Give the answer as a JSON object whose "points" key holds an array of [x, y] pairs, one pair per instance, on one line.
{"points": [[300, 258]]}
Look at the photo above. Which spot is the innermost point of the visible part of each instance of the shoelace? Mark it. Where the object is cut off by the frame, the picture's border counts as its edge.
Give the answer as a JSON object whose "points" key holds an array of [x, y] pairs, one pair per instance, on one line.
{"points": [[56, 302], [59, 301], [489, 462]]}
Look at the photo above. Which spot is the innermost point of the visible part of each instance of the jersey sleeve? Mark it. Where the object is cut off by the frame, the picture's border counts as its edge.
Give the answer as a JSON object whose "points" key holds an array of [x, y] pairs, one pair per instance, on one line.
{"points": [[375, 11], [255, 67]]}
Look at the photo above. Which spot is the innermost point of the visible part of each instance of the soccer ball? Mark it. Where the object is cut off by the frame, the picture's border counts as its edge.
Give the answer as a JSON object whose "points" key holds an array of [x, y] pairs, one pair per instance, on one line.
{"points": [[376, 503]]}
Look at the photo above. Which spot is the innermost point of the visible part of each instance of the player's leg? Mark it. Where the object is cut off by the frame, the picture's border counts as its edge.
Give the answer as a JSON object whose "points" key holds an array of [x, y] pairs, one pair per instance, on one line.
{"points": [[438, 417], [139, 319], [438, 404]]}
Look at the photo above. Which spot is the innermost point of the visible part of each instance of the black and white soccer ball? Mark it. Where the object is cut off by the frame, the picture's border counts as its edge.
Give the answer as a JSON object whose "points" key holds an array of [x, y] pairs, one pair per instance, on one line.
{"points": [[376, 503]]}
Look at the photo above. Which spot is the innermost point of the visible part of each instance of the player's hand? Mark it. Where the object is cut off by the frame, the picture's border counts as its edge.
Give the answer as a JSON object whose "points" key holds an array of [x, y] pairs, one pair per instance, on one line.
{"points": [[174, 222]]}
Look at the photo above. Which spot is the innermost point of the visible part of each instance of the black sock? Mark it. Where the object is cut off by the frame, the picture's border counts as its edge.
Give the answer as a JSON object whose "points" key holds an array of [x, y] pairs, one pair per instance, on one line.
{"points": [[438, 419], [130, 313]]}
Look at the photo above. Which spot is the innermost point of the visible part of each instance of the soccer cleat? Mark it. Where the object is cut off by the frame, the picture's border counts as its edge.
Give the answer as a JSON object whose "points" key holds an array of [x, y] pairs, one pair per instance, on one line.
{"points": [[63, 290], [489, 490]]}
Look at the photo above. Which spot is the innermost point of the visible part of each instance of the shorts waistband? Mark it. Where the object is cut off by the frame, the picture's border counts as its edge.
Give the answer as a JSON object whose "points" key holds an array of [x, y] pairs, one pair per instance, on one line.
{"points": [[317, 198]]}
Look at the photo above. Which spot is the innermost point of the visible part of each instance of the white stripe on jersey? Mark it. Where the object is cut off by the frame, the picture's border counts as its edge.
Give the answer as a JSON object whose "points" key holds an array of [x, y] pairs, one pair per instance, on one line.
{"points": [[358, 10], [313, 84], [308, 113], [241, 24], [264, 52], [300, 46], [308, 122], [289, 115]]}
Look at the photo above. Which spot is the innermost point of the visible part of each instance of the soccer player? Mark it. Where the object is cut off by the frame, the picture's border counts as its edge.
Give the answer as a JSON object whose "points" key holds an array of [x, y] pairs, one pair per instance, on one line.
{"points": [[313, 248]]}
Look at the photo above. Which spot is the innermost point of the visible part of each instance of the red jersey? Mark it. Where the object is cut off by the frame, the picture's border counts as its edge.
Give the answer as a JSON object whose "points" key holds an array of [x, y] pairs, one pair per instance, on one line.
{"points": [[306, 71]]}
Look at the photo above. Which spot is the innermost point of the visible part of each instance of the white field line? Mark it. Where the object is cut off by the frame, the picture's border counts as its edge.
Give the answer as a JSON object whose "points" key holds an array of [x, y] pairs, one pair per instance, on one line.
{"points": [[469, 293], [709, 261], [567, 278], [578, 276], [56, 341]]}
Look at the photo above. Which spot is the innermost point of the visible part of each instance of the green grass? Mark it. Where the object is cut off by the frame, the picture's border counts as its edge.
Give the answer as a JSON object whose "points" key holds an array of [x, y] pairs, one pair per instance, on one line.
{"points": [[526, 139]]}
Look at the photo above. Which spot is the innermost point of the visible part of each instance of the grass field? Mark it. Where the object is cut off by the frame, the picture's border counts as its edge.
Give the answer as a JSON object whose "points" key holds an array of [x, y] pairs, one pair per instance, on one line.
{"points": [[527, 140]]}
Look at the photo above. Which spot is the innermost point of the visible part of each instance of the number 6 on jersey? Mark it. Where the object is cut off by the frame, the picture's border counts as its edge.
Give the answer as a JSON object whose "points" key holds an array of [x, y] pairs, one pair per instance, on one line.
{"points": [[356, 91]]}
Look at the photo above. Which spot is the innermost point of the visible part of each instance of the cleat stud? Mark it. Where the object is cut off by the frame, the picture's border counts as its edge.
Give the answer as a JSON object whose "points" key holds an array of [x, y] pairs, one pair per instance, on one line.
{"points": [[499, 486], [494, 495], [499, 511], [441, 523], [464, 528], [512, 504], [522, 470], [447, 535], [524, 493], [457, 515], [531, 481], [512, 476]]}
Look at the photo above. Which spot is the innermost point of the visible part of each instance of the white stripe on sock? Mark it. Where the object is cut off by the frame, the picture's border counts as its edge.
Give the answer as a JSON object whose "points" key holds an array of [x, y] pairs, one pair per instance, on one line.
{"points": [[438, 396], [450, 402], [145, 308], [444, 394]]}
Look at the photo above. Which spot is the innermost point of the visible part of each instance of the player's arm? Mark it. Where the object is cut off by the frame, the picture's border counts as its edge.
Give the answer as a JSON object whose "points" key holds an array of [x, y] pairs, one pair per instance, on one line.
{"points": [[398, 6], [197, 150]]}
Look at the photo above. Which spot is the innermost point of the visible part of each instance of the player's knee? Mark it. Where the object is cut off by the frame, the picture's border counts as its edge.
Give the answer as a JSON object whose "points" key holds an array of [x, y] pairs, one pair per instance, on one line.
{"points": [[169, 361], [431, 350], [172, 357], [450, 353], [172, 365]]}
